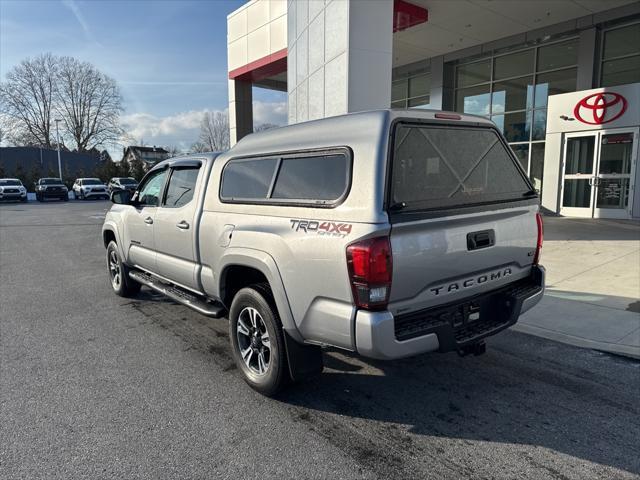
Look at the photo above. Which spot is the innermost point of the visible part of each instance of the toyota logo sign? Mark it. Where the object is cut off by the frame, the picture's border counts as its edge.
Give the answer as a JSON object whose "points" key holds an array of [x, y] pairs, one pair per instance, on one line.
{"points": [[599, 108]]}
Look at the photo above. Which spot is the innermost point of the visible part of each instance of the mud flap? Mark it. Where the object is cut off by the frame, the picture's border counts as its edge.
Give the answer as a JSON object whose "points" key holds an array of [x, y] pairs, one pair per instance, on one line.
{"points": [[305, 361]]}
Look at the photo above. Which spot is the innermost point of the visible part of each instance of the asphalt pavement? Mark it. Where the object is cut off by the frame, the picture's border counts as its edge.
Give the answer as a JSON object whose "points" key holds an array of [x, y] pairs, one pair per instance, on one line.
{"points": [[96, 386]]}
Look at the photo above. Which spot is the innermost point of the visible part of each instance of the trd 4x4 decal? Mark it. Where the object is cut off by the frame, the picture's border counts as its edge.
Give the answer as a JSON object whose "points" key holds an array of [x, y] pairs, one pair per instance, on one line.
{"points": [[332, 229]]}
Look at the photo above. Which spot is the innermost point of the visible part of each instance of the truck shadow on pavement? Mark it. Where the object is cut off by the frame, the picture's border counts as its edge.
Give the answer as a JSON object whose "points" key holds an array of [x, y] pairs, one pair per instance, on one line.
{"points": [[523, 391]]}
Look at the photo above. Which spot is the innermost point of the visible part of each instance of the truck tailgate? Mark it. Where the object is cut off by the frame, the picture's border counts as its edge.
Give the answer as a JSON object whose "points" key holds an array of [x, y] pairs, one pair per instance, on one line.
{"points": [[439, 261], [462, 214]]}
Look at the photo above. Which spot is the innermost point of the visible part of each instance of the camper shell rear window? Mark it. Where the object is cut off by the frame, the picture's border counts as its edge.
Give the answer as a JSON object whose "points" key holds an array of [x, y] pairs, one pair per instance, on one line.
{"points": [[437, 167]]}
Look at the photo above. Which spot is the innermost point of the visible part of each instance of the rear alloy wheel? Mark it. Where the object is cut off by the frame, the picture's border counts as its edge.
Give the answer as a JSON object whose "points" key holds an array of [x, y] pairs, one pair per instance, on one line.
{"points": [[122, 284], [257, 340]]}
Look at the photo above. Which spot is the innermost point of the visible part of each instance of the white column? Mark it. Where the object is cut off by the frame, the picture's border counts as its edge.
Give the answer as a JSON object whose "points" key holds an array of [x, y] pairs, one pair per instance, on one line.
{"points": [[339, 57]]}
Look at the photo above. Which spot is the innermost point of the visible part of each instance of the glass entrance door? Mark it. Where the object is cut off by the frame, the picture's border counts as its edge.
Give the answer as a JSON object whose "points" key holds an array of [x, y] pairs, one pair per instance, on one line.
{"points": [[598, 173], [613, 182], [579, 168]]}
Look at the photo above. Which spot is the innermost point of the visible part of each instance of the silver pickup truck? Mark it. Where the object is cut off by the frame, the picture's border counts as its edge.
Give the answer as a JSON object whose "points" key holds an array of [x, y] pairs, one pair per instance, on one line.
{"points": [[388, 233]]}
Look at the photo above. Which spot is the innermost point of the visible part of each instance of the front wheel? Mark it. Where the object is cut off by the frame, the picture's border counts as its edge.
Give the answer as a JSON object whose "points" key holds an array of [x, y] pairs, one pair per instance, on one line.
{"points": [[257, 340], [122, 284]]}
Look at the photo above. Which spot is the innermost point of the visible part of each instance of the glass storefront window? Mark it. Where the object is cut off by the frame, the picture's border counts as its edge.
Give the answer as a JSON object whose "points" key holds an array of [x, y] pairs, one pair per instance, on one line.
{"points": [[553, 83], [537, 165], [515, 126], [473, 73], [399, 90], [622, 41], [411, 92], [621, 71], [621, 56], [474, 100], [420, 102], [558, 55], [539, 125], [522, 154], [513, 65], [419, 86], [515, 94]]}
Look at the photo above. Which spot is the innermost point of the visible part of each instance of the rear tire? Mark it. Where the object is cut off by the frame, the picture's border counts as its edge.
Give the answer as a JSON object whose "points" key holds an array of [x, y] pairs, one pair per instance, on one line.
{"points": [[121, 283], [257, 341]]}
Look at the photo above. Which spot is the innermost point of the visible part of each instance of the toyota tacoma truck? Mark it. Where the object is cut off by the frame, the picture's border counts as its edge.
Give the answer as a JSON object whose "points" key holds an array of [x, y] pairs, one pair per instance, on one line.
{"points": [[388, 233], [51, 188]]}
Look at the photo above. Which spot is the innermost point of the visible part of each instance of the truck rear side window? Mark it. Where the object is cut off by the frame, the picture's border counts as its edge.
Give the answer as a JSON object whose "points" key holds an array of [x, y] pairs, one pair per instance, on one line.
{"points": [[314, 178], [443, 167], [248, 179]]}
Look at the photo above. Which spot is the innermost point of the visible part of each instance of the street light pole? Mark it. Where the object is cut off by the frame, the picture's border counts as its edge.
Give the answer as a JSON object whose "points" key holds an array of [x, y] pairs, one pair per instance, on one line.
{"points": [[57, 120]]}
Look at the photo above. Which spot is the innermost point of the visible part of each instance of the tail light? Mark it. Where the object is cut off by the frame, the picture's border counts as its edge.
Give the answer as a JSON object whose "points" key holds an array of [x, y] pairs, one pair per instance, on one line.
{"points": [[536, 258], [370, 267]]}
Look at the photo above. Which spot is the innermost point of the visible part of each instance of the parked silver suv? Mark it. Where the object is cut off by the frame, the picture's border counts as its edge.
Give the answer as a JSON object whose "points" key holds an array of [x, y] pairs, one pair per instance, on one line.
{"points": [[387, 233], [87, 188], [12, 189]]}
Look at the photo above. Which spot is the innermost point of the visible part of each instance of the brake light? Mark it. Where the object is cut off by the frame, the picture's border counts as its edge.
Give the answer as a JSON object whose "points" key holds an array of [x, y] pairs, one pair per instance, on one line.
{"points": [[370, 266], [536, 257], [448, 116]]}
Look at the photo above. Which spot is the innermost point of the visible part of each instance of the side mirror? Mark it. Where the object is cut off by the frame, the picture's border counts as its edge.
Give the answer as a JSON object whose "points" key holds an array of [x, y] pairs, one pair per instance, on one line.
{"points": [[121, 197]]}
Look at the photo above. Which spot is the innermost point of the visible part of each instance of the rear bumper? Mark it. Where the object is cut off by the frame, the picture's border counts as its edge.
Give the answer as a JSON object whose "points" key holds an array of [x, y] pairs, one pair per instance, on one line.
{"points": [[446, 328]]}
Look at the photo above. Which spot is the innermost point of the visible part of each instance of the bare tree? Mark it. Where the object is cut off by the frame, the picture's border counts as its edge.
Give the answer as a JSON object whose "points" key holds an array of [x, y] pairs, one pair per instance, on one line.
{"points": [[89, 103], [26, 101], [214, 131], [264, 126], [173, 150], [198, 147]]}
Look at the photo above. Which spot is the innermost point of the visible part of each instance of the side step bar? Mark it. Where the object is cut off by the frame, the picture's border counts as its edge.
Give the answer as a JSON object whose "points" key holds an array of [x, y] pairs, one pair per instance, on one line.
{"points": [[179, 295]]}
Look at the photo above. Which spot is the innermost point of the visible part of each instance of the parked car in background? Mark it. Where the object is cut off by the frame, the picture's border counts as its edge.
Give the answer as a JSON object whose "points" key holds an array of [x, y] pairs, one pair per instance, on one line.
{"points": [[11, 189], [388, 233], [122, 183], [51, 188], [87, 188]]}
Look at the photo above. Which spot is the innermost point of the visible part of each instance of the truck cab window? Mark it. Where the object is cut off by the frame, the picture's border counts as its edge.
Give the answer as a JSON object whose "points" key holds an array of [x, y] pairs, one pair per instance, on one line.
{"points": [[149, 194], [181, 187]]}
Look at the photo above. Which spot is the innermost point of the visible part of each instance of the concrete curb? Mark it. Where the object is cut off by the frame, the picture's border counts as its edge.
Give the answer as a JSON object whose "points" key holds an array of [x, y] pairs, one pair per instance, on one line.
{"points": [[625, 350]]}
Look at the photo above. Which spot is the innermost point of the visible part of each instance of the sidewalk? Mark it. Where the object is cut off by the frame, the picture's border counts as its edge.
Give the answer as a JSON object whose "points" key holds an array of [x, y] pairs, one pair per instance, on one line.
{"points": [[593, 285]]}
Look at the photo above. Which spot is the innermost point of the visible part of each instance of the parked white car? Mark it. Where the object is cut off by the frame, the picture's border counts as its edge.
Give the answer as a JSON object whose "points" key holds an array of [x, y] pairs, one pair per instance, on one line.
{"points": [[12, 189], [84, 188]]}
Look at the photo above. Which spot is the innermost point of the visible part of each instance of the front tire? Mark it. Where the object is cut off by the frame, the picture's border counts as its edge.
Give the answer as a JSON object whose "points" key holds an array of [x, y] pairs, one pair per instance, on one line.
{"points": [[257, 341], [122, 284]]}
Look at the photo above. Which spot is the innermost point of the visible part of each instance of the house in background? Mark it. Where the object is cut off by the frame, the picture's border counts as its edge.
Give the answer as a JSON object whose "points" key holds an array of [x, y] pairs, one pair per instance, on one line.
{"points": [[148, 156]]}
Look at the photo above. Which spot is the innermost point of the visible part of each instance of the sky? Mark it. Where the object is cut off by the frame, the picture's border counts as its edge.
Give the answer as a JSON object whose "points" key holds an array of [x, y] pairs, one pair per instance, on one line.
{"points": [[169, 58]]}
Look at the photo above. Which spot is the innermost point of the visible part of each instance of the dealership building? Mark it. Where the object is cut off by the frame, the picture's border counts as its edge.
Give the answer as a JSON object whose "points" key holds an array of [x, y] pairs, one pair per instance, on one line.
{"points": [[560, 78]]}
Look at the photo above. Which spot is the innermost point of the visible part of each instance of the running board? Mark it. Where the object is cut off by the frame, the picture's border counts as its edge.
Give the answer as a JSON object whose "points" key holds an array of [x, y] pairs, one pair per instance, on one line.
{"points": [[178, 294]]}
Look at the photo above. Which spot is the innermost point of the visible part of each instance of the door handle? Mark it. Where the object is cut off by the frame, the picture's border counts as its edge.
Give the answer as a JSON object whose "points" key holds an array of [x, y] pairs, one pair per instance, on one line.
{"points": [[183, 225], [148, 220]]}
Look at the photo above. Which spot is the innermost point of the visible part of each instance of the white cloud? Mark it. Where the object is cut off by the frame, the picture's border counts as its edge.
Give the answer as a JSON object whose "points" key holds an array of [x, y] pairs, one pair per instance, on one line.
{"points": [[182, 129], [73, 7], [270, 112]]}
